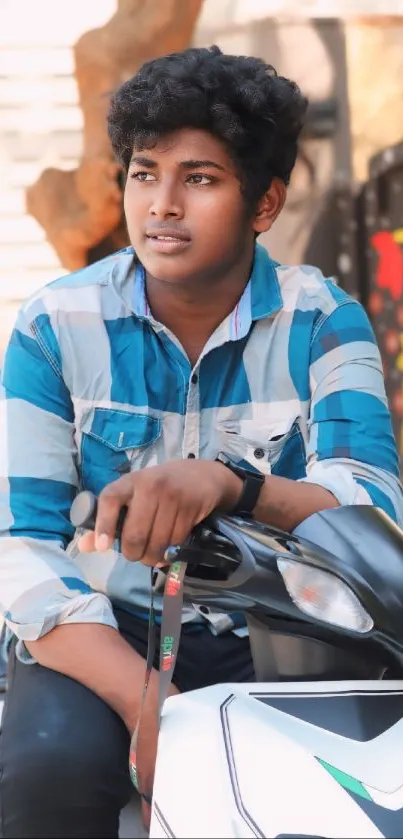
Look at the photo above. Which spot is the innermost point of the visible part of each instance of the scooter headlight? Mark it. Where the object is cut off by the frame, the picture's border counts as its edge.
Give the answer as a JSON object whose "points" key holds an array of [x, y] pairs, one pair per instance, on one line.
{"points": [[323, 596]]}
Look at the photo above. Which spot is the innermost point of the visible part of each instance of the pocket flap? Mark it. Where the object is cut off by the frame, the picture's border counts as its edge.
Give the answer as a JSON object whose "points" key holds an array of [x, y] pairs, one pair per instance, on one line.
{"points": [[264, 435], [122, 430]]}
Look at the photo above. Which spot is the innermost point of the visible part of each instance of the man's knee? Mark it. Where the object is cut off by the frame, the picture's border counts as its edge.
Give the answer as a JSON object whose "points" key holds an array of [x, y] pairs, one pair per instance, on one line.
{"points": [[62, 750], [81, 772], [55, 787]]}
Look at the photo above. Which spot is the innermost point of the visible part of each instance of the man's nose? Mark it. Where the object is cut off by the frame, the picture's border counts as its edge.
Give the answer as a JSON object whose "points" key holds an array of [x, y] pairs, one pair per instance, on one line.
{"points": [[166, 201]]}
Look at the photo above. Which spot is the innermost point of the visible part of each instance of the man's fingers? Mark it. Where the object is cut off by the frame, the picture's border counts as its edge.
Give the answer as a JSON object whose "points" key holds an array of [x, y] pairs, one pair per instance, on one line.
{"points": [[145, 813], [161, 534], [86, 542], [184, 523], [110, 502], [138, 525]]}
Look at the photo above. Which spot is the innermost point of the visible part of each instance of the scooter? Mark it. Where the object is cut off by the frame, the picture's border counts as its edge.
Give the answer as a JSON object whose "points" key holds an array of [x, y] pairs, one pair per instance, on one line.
{"points": [[313, 748]]}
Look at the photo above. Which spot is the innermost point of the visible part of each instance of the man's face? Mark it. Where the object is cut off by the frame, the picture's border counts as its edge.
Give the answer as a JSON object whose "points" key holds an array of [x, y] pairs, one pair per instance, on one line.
{"points": [[185, 213]]}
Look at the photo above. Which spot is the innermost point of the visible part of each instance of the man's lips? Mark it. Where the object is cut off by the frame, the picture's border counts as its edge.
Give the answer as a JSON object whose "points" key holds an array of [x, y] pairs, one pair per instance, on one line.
{"points": [[167, 232], [168, 241]]}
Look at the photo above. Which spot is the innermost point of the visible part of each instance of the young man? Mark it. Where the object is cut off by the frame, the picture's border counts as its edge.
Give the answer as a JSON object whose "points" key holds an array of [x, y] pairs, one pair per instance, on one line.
{"points": [[191, 344]]}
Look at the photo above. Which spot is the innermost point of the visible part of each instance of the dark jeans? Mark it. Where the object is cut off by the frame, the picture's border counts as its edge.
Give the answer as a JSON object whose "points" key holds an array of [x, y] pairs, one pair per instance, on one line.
{"points": [[64, 752]]}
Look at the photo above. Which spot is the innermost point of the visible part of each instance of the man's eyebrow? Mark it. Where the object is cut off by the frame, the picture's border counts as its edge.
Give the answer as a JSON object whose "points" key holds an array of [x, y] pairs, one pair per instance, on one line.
{"points": [[143, 161], [149, 163], [202, 164]]}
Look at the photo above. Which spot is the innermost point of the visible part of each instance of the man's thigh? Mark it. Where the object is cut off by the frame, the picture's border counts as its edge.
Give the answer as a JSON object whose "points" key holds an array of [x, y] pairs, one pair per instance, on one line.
{"points": [[203, 658], [206, 659], [63, 757]]}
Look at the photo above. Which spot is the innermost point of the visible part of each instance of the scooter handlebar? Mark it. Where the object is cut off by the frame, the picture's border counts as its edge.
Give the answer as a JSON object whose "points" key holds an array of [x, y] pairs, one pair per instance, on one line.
{"points": [[83, 512], [83, 515]]}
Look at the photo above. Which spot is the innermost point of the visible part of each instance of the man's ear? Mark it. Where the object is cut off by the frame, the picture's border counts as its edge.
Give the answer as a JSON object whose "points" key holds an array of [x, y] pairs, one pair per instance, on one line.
{"points": [[269, 206]]}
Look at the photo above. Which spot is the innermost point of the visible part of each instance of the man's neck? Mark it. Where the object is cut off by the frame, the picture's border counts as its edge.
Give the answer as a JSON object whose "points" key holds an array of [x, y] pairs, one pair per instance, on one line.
{"points": [[193, 312]]}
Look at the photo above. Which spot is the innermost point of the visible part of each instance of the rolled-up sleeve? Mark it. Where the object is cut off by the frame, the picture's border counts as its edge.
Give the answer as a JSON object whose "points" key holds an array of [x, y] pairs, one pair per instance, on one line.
{"points": [[40, 584], [351, 448]]}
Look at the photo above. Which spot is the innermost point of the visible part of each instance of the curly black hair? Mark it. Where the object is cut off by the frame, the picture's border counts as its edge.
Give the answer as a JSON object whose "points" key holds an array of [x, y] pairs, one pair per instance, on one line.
{"points": [[241, 100]]}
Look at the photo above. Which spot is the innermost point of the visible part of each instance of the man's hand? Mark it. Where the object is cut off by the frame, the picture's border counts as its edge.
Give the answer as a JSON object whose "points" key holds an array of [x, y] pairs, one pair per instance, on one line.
{"points": [[147, 743], [163, 504], [146, 755]]}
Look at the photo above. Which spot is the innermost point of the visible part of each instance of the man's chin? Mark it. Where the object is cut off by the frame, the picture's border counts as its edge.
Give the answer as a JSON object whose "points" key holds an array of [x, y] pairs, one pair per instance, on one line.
{"points": [[166, 269]]}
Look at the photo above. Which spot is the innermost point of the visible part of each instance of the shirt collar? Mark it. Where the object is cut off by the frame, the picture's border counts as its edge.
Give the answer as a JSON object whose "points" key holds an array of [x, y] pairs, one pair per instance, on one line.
{"points": [[266, 298], [261, 297]]}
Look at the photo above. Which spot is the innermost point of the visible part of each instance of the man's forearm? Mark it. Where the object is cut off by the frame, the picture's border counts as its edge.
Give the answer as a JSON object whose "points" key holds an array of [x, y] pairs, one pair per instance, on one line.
{"points": [[285, 503], [99, 658]]}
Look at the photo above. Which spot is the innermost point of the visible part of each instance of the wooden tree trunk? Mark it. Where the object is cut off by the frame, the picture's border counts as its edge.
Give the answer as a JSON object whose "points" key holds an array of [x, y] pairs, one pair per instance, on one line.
{"points": [[81, 210]]}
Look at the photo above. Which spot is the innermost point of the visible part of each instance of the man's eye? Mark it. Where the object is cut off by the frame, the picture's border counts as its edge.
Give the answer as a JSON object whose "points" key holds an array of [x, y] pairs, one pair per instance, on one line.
{"points": [[142, 176], [201, 180]]}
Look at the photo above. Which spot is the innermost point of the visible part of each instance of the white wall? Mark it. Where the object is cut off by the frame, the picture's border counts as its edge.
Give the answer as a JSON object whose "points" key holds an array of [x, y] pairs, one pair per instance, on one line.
{"points": [[40, 126]]}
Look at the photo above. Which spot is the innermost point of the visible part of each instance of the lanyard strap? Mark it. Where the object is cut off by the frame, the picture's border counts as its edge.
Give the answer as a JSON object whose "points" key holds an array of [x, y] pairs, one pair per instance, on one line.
{"points": [[169, 645]]}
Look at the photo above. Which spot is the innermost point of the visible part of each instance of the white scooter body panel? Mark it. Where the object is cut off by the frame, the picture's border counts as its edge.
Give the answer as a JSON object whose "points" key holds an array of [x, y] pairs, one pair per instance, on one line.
{"points": [[232, 763]]}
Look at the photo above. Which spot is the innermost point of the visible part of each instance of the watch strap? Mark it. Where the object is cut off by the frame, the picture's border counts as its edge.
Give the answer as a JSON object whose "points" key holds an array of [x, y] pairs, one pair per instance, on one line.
{"points": [[252, 484], [248, 498]]}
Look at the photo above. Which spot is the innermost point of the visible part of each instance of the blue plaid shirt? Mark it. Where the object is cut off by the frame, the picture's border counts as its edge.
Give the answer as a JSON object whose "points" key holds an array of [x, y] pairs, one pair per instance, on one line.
{"points": [[290, 383]]}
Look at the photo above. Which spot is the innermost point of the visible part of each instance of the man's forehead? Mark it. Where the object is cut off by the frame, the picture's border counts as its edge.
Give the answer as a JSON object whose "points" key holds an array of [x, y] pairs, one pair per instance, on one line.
{"points": [[187, 144]]}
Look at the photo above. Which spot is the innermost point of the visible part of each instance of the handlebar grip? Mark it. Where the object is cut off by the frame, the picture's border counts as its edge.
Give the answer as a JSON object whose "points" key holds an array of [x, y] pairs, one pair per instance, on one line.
{"points": [[83, 512]]}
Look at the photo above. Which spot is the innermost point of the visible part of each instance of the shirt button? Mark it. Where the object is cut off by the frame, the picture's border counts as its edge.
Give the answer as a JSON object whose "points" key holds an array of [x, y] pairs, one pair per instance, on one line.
{"points": [[191, 455], [259, 453], [194, 379]]}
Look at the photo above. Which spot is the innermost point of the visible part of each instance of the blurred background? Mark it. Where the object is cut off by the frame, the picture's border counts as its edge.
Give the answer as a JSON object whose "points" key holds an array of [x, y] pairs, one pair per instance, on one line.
{"points": [[60, 189]]}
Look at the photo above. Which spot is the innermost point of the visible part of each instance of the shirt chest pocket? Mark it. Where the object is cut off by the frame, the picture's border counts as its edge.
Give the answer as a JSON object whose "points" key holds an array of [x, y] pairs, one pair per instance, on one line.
{"points": [[258, 445], [115, 442]]}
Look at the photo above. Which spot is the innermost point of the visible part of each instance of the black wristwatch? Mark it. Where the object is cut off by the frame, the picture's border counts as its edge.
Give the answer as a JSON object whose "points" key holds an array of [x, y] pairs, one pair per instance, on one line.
{"points": [[252, 484]]}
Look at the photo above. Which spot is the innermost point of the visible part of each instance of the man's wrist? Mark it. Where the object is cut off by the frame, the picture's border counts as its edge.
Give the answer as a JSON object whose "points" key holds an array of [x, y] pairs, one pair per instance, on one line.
{"points": [[232, 488], [133, 706]]}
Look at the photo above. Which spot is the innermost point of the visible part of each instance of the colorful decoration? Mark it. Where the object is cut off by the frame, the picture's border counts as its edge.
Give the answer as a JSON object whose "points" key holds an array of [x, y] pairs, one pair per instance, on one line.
{"points": [[385, 306]]}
